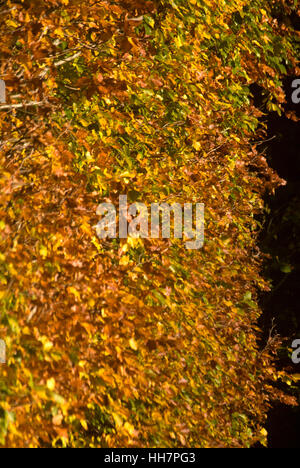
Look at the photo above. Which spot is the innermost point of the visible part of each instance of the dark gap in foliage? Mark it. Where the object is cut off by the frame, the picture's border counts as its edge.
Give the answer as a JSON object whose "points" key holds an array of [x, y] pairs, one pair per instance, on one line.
{"points": [[280, 238]]}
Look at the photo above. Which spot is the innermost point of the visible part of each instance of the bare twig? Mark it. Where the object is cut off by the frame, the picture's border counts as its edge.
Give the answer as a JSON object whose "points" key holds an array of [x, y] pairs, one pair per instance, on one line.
{"points": [[139, 18], [265, 141], [23, 104], [68, 59], [60, 62]]}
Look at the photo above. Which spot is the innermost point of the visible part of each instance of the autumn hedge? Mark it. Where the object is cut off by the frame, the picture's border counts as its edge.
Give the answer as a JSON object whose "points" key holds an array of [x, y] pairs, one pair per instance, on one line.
{"points": [[134, 342]]}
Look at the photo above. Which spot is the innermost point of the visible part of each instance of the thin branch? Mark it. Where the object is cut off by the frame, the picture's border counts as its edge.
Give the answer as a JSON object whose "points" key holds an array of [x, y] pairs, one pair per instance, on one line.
{"points": [[68, 59], [215, 149], [60, 62], [23, 104], [139, 18], [264, 141]]}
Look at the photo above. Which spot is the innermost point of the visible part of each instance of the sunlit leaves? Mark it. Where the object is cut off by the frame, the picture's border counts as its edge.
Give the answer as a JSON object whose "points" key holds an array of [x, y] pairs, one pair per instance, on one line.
{"points": [[133, 342]]}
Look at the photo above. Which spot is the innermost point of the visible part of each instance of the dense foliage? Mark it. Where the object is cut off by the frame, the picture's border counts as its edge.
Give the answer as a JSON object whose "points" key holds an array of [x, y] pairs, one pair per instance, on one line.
{"points": [[134, 342]]}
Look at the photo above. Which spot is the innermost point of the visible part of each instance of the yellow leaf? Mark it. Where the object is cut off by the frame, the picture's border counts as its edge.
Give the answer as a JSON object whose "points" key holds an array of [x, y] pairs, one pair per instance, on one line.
{"points": [[124, 260], [74, 291], [59, 32], [196, 145], [2, 294], [129, 428], [84, 424], [131, 41], [12, 23], [51, 384], [117, 419], [86, 228], [43, 251], [133, 344]]}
